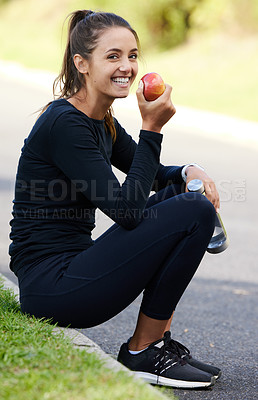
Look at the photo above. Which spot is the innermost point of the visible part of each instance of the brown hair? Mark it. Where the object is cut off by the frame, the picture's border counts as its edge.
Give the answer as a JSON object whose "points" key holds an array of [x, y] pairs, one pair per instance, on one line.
{"points": [[84, 30]]}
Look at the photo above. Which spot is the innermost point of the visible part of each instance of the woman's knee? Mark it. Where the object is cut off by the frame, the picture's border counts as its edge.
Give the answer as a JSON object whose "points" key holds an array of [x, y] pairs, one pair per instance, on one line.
{"points": [[196, 207], [203, 209]]}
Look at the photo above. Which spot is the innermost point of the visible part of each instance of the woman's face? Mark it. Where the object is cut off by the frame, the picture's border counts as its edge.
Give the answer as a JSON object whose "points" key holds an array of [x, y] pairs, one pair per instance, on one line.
{"points": [[113, 65]]}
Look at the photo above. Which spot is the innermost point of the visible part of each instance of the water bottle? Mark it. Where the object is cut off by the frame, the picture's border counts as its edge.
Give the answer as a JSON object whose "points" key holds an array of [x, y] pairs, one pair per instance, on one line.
{"points": [[219, 241]]}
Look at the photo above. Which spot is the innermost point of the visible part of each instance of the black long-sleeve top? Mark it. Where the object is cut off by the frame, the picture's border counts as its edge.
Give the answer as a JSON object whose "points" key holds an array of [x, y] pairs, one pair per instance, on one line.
{"points": [[65, 173]]}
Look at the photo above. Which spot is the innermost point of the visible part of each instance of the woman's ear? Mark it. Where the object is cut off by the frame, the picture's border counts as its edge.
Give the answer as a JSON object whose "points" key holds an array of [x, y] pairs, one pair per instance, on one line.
{"points": [[80, 63]]}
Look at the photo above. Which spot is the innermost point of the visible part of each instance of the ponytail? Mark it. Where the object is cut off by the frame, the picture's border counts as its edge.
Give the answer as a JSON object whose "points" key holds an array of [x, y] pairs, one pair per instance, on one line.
{"points": [[84, 30], [70, 80], [109, 124]]}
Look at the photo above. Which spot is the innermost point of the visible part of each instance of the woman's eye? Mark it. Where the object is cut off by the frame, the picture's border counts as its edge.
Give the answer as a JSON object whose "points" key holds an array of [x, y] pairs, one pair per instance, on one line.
{"points": [[113, 57], [133, 56]]}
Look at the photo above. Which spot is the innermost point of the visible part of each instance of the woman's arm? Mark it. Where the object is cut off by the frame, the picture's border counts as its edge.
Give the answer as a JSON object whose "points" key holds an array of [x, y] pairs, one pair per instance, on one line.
{"points": [[75, 151], [122, 156], [123, 153]]}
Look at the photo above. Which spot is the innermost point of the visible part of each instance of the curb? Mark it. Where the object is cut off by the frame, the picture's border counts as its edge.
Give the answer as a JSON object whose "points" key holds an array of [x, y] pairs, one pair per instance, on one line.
{"points": [[82, 342], [78, 339]]}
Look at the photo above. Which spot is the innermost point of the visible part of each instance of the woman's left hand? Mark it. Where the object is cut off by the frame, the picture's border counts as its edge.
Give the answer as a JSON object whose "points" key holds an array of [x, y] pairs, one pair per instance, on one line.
{"points": [[209, 186]]}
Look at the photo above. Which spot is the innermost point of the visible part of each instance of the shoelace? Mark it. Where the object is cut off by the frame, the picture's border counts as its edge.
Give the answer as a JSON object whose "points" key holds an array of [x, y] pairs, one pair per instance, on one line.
{"points": [[167, 357], [181, 350]]}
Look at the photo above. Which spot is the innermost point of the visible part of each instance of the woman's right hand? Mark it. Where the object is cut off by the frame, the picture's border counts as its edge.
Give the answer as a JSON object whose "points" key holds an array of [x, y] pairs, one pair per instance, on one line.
{"points": [[155, 114]]}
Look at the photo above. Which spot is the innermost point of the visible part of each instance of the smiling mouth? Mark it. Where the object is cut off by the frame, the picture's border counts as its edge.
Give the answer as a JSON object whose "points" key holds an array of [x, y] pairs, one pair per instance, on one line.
{"points": [[121, 81]]}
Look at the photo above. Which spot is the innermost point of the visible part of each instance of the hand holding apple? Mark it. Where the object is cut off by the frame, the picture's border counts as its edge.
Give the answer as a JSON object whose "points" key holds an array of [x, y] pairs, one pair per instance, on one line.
{"points": [[155, 114], [154, 86]]}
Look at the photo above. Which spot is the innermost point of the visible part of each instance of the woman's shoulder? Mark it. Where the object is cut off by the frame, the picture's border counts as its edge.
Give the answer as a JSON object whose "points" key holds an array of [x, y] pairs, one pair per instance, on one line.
{"points": [[63, 107], [63, 114], [70, 125]]}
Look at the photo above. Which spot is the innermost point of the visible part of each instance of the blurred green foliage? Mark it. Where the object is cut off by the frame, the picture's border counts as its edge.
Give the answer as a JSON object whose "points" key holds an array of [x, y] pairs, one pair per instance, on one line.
{"points": [[161, 24], [164, 23], [232, 16]]}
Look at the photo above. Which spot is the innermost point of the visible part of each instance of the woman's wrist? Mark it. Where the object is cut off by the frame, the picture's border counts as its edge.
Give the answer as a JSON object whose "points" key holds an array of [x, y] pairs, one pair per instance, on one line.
{"points": [[150, 127], [186, 168]]}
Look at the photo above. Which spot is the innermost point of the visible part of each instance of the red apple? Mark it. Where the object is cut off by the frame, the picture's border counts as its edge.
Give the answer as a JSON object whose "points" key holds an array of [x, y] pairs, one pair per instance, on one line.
{"points": [[154, 86]]}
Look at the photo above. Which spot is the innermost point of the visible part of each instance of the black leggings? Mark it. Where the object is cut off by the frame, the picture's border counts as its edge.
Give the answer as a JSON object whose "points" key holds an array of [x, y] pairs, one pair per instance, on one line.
{"points": [[159, 256]]}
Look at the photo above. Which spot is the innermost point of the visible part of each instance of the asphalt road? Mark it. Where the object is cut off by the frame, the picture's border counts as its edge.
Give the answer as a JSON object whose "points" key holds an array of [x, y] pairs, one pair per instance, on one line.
{"points": [[217, 316]]}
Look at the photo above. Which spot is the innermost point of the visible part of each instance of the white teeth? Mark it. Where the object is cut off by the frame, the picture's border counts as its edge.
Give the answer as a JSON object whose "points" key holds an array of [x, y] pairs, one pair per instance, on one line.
{"points": [[120, 80]]}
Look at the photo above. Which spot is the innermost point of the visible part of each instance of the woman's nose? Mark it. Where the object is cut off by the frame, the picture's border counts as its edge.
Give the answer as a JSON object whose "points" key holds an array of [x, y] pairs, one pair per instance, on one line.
{"points": [[125, 66]]}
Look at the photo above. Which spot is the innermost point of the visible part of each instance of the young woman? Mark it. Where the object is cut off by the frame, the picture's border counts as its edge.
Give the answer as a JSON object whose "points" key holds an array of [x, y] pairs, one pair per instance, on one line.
{"points": [[64, 174]]}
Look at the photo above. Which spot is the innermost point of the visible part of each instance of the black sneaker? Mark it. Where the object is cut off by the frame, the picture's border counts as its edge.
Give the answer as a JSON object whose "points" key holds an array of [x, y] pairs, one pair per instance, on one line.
{"points": [[184, 354], [159, 364]]}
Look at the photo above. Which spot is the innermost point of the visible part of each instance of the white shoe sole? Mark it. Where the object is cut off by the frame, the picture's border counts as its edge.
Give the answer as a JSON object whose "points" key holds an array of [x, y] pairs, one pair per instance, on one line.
{"points": [[217, 376], [160, 380]]}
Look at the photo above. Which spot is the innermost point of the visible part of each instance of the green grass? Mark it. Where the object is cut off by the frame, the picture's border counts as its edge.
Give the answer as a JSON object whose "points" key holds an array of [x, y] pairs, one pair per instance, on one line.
{"points": [[217, 72], [37, 364]]}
